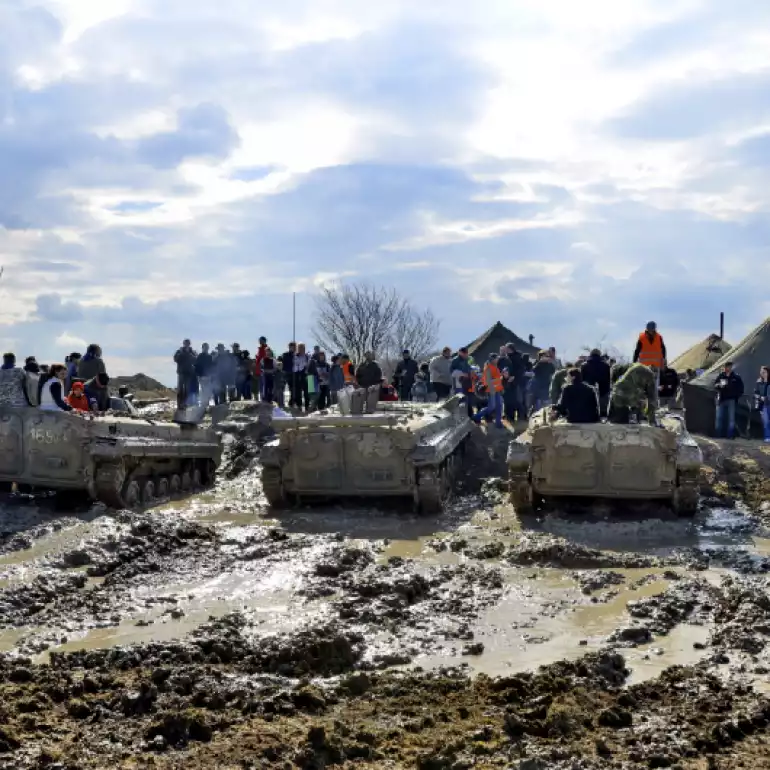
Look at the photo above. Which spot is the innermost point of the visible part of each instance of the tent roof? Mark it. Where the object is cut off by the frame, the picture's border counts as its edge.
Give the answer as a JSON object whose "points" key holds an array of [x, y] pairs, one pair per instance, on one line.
{"points": [[498, 335], [702, 355], [748, 355]]}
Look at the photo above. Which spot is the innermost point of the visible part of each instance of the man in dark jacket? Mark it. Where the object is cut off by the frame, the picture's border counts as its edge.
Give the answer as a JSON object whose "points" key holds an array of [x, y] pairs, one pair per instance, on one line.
{"points": [[669, 385], [596, 371], [406, 371], [204, 371], [96, 390], [369, 372], [729, 387], [287, 366], [185, 358], [578, 401]]}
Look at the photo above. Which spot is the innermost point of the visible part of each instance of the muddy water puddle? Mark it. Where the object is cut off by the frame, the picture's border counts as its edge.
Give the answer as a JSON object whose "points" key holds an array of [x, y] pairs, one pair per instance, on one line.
{"points": [[543, 615]]}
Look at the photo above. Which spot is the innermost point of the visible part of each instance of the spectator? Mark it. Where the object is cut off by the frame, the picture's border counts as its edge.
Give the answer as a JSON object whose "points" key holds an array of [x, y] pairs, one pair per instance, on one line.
{"points": [[267, 377], [287, 361], [369, 372], [493, 382], [245, 375], [762, 400], [729, 387], [667, 389], [77, 398], [320, 370], [441, 374], [301, 363], [403, 377], [31, 365], [13, 384], [578, 401], [72, 369], [514, 385], [596, 371], [543, 371], [204, 370], [462, 379], [279, 384], [220, 374], [91, 364], [420, 388], [185, 358], [387, 391], [336, 378], [52, 392], [98, 393], [259, 383]]}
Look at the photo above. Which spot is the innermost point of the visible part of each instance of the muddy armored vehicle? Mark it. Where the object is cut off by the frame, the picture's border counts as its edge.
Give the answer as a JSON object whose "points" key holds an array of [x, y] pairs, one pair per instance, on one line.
{"points": [[362, 448], [123, 461], [605, 460]]}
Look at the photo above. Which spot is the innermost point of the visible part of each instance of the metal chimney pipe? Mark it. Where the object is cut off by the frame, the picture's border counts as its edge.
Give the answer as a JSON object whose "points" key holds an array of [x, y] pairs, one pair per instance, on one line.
{"points": [[721, 326]]}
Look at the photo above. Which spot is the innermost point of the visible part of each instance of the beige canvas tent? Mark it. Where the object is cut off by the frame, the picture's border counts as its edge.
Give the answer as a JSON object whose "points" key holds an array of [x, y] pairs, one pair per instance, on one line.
{"points": [[747, 356], [702, 355], [493, 338]]}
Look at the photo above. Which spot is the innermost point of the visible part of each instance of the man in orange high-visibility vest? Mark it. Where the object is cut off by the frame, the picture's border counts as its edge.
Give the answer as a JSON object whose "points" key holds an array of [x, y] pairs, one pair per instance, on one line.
{"points": [[651, 351], [650, 348], [493, 381]]}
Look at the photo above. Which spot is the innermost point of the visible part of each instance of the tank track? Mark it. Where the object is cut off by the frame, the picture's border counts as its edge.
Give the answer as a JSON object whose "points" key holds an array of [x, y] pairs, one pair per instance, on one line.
{"points": [[435, 484], [118, 488], [686, 496], [520, 493], [272, 487]]}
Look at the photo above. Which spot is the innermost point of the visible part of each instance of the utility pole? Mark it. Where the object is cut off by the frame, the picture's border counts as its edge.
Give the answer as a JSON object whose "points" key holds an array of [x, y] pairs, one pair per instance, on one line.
{"points": [[294, 316]]}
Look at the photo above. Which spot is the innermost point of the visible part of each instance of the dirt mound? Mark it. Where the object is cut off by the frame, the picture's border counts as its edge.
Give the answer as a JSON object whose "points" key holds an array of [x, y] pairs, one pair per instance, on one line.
{"points": [[544, 550], [143, 387]]}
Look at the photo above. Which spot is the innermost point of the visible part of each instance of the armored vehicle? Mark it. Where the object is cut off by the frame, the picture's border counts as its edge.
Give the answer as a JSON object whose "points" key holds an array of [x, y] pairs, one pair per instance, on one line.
{"points": [[605, 460], [362, 448], [123, 461]]}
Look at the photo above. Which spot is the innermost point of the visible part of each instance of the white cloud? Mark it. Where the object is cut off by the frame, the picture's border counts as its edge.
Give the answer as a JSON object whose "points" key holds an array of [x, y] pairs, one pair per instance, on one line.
{"points": [[70, 341], [547, 158]]}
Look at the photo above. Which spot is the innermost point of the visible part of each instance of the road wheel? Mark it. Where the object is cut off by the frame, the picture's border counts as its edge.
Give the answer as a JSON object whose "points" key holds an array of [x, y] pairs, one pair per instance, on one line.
{"points": [[197, 478], [148, 493], [186, 482], [132, 495], [174, 484], [109, 485], [162, 488], [272, 486]]}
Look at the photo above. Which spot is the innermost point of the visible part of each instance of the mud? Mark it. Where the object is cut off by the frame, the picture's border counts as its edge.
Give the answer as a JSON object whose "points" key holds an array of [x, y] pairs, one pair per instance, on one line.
{"points": [[213, 633]]}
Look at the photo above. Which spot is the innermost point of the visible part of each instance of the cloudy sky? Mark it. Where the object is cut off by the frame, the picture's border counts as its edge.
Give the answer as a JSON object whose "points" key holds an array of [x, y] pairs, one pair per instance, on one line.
{"points": [[172, 168]]}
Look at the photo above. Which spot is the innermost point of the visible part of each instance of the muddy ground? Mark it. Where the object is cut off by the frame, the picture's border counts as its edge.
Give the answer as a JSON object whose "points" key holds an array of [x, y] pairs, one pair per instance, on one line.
{"points": [[212, 632]]}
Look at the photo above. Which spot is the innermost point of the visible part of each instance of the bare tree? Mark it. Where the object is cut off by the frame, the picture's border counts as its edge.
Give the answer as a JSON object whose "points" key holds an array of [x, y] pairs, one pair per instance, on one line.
{"points": [[355, 318], [606, 350], [358, 317], [415, 331]]}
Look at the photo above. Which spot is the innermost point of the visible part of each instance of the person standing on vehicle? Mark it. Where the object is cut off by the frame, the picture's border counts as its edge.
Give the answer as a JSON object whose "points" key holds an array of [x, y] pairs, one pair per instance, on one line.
{"points": [[204, 368], [730, 388], [185, 358]]}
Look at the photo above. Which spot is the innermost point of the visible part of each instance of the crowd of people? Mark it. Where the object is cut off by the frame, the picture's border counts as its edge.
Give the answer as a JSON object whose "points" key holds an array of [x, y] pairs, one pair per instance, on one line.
{"points": [[80, 384], [509, 385]]}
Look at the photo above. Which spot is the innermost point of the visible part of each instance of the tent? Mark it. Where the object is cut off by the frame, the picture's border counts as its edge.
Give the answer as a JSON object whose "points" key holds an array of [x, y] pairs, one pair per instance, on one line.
{"points": [[701, 355], [752, 352], [493, 339]]}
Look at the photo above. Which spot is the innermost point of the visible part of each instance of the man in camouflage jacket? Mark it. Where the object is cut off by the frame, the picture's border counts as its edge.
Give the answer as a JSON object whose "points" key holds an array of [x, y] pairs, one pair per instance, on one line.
{"points": [[635, 391]]}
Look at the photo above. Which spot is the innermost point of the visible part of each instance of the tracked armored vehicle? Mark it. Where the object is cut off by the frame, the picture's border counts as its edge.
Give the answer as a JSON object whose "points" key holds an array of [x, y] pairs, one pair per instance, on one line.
{"points": [[122, 461], [604, 460], [362, 448]]}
